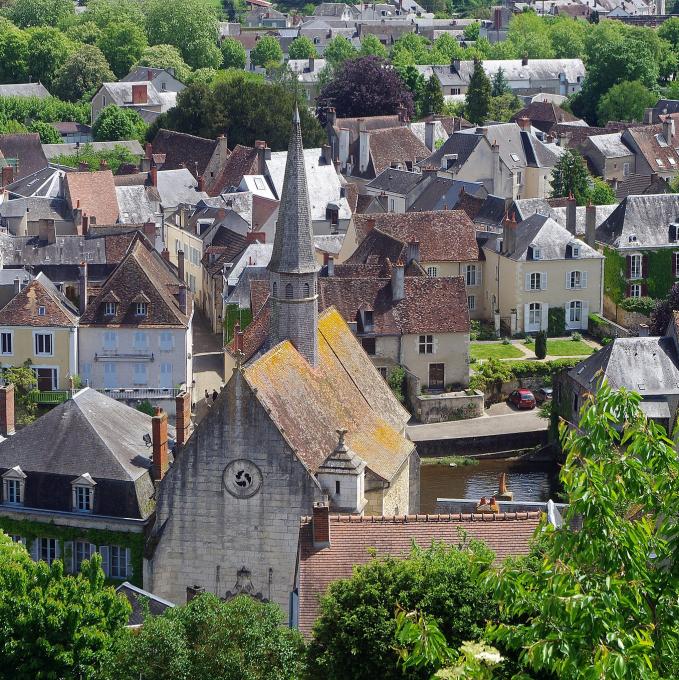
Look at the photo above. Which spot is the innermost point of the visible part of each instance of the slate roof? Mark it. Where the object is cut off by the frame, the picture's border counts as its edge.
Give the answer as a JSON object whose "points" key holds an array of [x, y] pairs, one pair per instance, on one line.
{"points": [[395, 145], [176, 187], [458, 143], [442, 193], [491, 212], [354, 540], [555, 208], [548, 235], [137, 204], [27, 149], [22, 309], [24, 90], [88, 433], [444, 236], [396, 181], [42, 183], [94, 193], [611, 145], [641, 184], [653, 147], [647, 365], [142, 602], [183, 150], [142, 271], [342, 392], [121, 93], [641, 222], [241, 161], [37, 209]]}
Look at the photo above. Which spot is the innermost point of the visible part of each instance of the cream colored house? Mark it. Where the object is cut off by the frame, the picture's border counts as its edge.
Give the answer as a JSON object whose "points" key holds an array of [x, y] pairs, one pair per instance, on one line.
{"points": [[537, 265], [40, 325]]}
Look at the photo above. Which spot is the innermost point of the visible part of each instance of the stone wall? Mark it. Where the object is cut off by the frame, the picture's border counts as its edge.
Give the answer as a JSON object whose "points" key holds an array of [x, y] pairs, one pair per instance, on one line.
{"points": [[437, 408], [397, 496], [605, 328]]}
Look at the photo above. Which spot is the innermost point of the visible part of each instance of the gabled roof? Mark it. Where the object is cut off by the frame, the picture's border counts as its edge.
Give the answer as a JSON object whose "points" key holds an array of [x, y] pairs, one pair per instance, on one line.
{"points": [[395, 145], [241, 161], [611, 145], [142, 602], [555, 208], [641, 184], [647, 365], [342, 392], [71, 148], [26, 150], [44, 183], [651, 142], [354, 540], [142, 270], [396, 181], [183, 150], [24, 90], [544, 115], [442, 193], [94, 193], [444, 236], [458, 143], [121, 93], [22, 309]]}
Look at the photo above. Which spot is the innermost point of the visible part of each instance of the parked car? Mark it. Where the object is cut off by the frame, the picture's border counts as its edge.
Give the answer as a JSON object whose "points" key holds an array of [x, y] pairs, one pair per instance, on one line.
{"points": [[543, 394], [522, 399]]}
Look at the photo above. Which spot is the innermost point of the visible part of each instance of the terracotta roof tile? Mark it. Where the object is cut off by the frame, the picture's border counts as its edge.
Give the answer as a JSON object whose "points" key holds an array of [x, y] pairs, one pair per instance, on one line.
{"points": [[95, 193], [242, 161], [183, 150], [22, 309], [395, 145], [652, 144], [544, 115], [353, 541]]}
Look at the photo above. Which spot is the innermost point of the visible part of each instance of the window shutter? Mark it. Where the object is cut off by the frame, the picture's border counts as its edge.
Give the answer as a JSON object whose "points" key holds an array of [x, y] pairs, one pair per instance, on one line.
{"points": [[69, 556], [103, 551], [543, 280], [479, 275], [568, 280], [585, 316], [583, 279], [628, 290], [545, 317], [644, 289], [57, 548], [128, 561], [527, 281], [35, 549], [629, 267], [644, 266], [674, 264], [526, 317]]}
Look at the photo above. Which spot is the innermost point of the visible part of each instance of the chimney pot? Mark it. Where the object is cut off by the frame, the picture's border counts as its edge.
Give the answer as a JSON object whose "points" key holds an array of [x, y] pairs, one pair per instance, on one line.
{"points": [[161, 460], [201, 183], [320, 525], [82, 288], [571, 207], [180, 265], [331, 265], [183, 420]]}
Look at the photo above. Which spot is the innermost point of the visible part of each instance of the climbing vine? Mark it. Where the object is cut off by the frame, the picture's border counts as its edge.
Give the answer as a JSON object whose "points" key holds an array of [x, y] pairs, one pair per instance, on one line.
{"points": [[30, 530], [614, 275], [658, 282]]}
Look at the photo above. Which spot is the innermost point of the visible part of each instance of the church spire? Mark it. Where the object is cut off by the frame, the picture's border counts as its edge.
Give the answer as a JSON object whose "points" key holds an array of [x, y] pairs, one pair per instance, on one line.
{"points": [[293, 268], [293, 249]]}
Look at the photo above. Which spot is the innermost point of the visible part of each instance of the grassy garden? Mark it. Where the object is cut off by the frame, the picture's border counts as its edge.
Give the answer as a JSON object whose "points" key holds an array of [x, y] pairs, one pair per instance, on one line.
{"points": [[568, 348], [494, 350]]}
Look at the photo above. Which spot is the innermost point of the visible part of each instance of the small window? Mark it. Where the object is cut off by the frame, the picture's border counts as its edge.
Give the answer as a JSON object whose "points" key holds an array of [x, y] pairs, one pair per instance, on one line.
{"points": [[471, 275], [288, 291], [337, 487], [142, 309], [110, 308], [13, 491], [382, 370], [471, 302], [368, 345], [368, 320], [515, 157], [274, 289], [536, 281], [43, 344], [426, 344], [47, 549], [672, 161], [635, 290], [6, 343], [41, 311], [533, 253], [635, 266], [83, 496], [432, 272], [306, 290], [676, 266], [575, 279], [660, 163]]}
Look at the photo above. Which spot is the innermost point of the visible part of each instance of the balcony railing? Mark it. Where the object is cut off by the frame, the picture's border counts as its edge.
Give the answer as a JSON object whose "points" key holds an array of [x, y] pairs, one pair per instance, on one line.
{"points": [[140, 392], [52, 397], [114, 355]]}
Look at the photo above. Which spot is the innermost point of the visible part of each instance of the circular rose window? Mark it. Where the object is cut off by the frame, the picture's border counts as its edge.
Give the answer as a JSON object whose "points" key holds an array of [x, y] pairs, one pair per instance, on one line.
{"points": [[242, 478]]}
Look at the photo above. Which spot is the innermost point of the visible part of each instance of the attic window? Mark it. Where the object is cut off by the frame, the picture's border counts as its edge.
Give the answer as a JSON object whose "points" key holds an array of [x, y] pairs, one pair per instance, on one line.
{"points": [[110, 308], [572, 251], [672, 161], [660, 163], [632, 238], [142, 308], [514, 157], [41, 311], [534, 253]]}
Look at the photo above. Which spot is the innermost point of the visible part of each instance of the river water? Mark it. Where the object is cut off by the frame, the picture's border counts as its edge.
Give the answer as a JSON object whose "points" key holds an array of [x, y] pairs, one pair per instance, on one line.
{"points": [[529, 481]]}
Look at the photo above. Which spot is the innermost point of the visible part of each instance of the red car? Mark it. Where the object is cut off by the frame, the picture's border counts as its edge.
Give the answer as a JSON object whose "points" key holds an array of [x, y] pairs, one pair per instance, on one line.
{"points": [[522, 398]]}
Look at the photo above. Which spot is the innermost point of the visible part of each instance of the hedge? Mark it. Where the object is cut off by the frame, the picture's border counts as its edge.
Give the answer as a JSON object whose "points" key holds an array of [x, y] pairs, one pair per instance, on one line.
{"points": [[556, 322], [641, 305]]}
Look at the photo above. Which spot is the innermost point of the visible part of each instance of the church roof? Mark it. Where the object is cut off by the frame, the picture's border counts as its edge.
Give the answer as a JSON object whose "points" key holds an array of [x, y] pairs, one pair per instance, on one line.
{"points": [[309, 404], [293, 250]]}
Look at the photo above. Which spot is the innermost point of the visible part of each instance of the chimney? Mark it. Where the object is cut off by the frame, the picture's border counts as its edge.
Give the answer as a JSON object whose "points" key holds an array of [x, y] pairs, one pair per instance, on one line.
{"points": [[7, 410], [524, 123], [413, 251], [363, 150], [149, 74], [455, 66], [140, 93], [83, 167], [331, 115], [402, 113], [153, 172], [643, 330], [429, 129], [193, 592], [590, 225], [161, 461], [327, 154], [200, 183], [82, 287], [165, 255], [183, 300], [311, 64], [103, 165], [331, 265], [222, 148], [7, 175], [570, 213], [648, 116], [183, 419], [497, 169], [668, 129], [509, 233], [180, 265], [370, 224], [524, 60], [84, 224], [255, 237], [261, 156], [148, 150], [320, 525], [398, 283]]}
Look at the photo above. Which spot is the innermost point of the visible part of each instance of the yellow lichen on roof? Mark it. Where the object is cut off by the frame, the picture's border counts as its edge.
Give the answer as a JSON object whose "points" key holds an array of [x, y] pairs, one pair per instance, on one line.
{"points": [[344, 391]]}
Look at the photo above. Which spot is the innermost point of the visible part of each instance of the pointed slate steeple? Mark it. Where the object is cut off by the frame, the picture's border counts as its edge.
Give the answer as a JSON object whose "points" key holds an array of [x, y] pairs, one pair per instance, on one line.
{"points": [[293, 250], [293, 266]]}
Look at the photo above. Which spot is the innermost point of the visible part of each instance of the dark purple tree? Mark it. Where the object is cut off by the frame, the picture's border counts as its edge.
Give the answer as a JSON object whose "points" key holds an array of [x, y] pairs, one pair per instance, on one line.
{"points": [[366, 86], [662, 314]]}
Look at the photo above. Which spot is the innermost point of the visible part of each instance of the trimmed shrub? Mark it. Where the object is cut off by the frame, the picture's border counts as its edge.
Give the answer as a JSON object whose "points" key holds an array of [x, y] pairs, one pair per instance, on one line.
{"points": [[641, 305], [541, 345], [556, 322]]}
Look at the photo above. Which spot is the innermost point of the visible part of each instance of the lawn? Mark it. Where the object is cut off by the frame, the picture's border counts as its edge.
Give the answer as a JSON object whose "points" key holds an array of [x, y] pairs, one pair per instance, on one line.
{"points": [[568, 348], [494, 350]]}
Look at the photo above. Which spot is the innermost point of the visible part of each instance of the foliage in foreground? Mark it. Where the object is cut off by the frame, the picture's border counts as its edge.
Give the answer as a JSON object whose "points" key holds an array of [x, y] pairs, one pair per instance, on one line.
{"points": [[114, 158]]}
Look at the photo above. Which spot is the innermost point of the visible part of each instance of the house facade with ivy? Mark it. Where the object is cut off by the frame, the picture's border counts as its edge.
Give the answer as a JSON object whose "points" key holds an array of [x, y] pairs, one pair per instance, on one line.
{"points": [[81, 479], [640, 241]]}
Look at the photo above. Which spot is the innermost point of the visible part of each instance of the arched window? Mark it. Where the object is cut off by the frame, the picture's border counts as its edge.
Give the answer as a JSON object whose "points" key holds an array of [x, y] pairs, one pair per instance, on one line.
{"points": [[275, 289], [288, 291], [535, 314], [306, 290]]}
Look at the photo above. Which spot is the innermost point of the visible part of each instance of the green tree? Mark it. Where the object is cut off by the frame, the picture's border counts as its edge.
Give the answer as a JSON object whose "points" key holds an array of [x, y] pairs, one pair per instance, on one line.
{"points": [[601, 192], [240, 639], [25, 385], [82, 74], [13, 53], [48, 133], [570, 176], [119, 155], [669, 30], [604, 601], [85, 32], [471, 31], [122, 44], [338, 50], [189, 25], [48, 50], [502, 108], [625, 101], [105, 12], [233, 54], [165, 56], [267, 52], [357, 614], [302, 48], [567, 38], [202, 75], [371, 46], [541, 345], [26, 13], [432, 97], [410, 48], [477, 100], [528, 35], [115, 124], [499, 84], [445, 49]]}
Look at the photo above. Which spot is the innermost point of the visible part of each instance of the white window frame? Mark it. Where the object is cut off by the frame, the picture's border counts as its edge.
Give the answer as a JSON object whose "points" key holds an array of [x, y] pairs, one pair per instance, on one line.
{"points": [[471, 302], [13, 486], [471, 275], [82, 550], [636, 266], [575, 309], [141, 309], [675, 255], [10, 335], [42, 310], [426, 344], [432, 272], [43, 334], [110, 308], [48, 549], [635, 290], [118, 562], [83, 498], [533, 309], [535, 280]]}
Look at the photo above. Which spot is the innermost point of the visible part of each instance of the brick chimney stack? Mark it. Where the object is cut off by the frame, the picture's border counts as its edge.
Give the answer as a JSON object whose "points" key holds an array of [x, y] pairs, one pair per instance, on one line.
{"points": [[6, 410], [180, 266], [82, 288], [571, 213], [398, 284], [320, 525], [183, 419], [161, 459], [200, 183], [153, 172], [140, 93]]}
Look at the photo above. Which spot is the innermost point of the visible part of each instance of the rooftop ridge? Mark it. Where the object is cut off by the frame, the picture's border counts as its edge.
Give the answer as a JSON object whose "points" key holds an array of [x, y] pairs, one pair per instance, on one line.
{"points": [[449, 517]]}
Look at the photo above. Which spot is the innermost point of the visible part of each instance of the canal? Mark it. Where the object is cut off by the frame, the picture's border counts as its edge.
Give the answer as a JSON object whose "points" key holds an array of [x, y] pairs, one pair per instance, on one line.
{"points": [[528, 480]]}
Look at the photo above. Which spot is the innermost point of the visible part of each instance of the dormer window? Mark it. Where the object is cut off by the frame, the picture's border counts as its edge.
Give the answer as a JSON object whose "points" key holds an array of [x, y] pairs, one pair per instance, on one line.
{"points": [[534, 252], [110, 308], [141, 308], [83, 493], [573, 251], [13, 483], [41, 310], [673, 232], [368, 320]]}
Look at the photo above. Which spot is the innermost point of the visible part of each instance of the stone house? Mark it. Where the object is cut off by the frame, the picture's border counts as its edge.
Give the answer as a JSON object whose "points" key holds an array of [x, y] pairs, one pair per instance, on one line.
{"points": [[80, 480], [39, 324], [142, 96], [163, 79], [135, 337], [538, 265], [273, 443], [655, 148], [609, 157]]}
